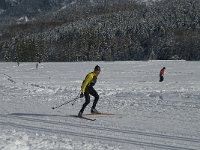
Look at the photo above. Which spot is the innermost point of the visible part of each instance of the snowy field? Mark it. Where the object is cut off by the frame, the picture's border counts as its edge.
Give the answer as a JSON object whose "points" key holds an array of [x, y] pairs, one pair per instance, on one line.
{"points": [[147, 114]]}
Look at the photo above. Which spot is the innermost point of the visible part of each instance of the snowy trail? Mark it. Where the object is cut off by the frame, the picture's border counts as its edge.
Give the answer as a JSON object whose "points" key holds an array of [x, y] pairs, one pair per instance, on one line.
{"points": [[131, 136], [147, 115]]}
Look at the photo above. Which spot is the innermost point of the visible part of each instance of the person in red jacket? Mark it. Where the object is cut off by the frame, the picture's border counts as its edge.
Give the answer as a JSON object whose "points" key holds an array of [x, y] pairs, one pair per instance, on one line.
{"points": [[162, 74]]}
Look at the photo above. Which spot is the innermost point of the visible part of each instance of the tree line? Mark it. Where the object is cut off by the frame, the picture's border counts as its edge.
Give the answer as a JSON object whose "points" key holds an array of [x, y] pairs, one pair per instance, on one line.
{"points": [[166, 29]]}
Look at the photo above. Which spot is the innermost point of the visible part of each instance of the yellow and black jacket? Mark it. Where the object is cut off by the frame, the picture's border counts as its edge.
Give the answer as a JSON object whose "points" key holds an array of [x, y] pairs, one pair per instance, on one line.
{"points": [[90, 80]]}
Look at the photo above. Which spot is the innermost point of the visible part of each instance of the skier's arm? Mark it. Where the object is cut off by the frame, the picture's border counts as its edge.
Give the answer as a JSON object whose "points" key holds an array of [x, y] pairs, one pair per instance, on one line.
{"points": [[162, 73], [87, 81]]}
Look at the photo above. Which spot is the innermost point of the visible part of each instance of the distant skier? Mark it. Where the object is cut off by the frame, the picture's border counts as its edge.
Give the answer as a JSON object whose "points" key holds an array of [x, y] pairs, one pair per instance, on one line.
{"points": [[162, 74], [87, 90], [36, 65]]}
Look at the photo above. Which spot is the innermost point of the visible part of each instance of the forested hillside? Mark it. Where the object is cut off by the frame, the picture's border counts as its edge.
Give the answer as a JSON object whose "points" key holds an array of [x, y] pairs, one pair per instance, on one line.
{"points": [[95, 30]]}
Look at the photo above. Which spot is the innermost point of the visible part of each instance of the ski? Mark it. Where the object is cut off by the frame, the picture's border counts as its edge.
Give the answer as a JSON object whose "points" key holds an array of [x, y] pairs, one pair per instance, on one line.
{"points": [[86, 118], [101, 113]]}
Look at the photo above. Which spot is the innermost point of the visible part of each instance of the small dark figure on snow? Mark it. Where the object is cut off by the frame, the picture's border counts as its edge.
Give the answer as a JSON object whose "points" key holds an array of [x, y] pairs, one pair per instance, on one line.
{"points": [[162, 74], [36, 65], [87, 90]]}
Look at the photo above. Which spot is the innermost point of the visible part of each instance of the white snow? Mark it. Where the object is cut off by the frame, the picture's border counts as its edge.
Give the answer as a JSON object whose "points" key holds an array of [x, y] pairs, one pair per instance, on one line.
{"points": [[148, 115]]}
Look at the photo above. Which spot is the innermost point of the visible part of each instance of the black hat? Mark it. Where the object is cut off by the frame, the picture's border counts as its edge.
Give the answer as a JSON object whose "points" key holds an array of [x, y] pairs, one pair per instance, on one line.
{"points": [[97, 68]]}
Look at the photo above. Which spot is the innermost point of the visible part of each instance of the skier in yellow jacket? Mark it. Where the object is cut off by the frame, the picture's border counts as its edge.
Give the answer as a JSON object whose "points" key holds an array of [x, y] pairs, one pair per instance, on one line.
{"points": [[87, 90]]}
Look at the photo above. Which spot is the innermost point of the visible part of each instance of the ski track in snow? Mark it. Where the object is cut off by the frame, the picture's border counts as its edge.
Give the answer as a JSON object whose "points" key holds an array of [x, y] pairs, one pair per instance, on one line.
{"points": [[51, 125], [148, 115]]}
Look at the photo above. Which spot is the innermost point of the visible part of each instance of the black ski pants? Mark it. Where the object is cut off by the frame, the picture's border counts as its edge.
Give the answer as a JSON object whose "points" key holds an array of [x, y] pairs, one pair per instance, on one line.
{"points": [[161, 79], [90, 91]]}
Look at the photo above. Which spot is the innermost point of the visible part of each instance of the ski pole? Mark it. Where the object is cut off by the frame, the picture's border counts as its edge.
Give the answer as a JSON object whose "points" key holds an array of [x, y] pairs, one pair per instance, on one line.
{"points": [[66, 102], [74, 101]]}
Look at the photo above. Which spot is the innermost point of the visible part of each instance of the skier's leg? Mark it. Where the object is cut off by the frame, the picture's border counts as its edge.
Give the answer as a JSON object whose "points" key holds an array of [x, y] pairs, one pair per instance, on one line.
{"points": [[94, 93], [87, 101], [161, 78]]}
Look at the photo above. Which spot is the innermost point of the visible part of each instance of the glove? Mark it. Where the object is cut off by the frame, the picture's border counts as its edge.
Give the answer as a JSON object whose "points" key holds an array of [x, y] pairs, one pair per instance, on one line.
{"points": [[81, 95]]}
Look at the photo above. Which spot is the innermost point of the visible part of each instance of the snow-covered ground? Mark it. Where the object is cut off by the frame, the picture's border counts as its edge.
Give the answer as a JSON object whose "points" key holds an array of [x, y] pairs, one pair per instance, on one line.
{"points": [[148, 115]]}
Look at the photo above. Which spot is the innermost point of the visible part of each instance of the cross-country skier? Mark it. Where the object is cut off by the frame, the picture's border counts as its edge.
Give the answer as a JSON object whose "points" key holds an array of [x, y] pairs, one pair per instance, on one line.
{"points": [[87, 90], [162, 74]]}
